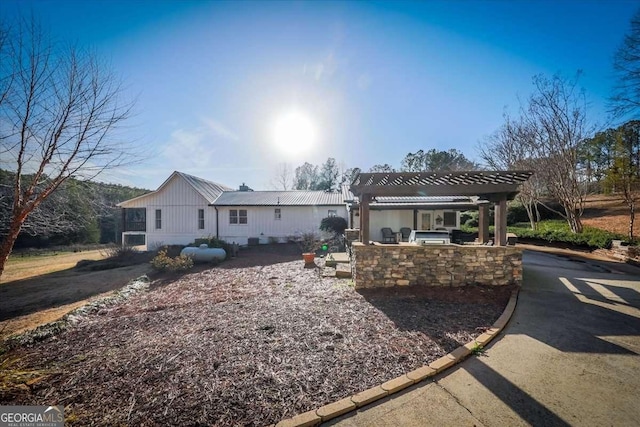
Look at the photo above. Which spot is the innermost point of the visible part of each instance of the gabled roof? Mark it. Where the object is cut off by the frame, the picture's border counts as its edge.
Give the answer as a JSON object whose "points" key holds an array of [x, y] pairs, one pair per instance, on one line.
{"points": [[279, 198], [208, 189]]}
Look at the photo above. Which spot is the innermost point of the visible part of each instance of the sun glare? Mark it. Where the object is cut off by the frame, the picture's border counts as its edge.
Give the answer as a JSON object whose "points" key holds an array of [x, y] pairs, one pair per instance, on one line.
{"points": [[294, 133]]}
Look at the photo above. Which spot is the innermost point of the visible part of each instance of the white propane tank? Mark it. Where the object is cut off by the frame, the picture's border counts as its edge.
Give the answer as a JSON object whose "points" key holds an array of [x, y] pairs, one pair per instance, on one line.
{"points": [[204, 253]]}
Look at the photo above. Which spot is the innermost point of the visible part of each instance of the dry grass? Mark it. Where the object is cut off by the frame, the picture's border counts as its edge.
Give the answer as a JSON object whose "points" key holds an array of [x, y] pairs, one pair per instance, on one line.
{"points": [[608, 213], [18, 267]]}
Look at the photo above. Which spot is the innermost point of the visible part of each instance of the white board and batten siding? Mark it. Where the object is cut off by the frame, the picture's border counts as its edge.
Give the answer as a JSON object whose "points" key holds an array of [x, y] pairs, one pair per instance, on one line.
{"points": [[179, 203], [262, 222]]}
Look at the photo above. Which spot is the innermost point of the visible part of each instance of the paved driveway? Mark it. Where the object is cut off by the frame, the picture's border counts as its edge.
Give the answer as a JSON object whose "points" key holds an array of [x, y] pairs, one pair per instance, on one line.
{"points": [[569, 356]]}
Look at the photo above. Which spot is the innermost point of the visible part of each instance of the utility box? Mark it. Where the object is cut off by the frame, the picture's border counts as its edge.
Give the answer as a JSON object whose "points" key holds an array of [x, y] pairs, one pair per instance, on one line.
{"points": [[253, 241]]}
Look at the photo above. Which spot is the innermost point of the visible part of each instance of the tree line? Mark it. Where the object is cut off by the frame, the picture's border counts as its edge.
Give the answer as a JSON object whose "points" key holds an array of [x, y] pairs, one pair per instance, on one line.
{"points": [[77, 212]]}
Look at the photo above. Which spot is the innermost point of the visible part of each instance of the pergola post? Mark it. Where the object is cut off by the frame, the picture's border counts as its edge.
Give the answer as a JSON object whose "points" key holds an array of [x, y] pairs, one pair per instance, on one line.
{"points": [[501, 222], [483, 223], [364, 218]]}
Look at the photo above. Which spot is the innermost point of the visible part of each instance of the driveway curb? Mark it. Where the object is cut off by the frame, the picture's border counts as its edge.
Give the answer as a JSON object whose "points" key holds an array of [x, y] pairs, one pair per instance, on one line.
{"points": [[352, 403]]}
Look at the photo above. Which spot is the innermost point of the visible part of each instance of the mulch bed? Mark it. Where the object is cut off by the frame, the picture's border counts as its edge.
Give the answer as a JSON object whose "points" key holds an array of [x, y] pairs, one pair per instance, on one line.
{"points": [[253, 341]]}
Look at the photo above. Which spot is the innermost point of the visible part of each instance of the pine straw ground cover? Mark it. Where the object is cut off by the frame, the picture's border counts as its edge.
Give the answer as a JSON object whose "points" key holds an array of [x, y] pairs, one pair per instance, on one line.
{"points": [[250, 342]]}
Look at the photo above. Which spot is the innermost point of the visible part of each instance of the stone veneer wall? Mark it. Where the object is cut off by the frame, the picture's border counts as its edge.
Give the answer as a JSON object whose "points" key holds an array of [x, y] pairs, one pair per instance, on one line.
{"points": [[380, 265]]}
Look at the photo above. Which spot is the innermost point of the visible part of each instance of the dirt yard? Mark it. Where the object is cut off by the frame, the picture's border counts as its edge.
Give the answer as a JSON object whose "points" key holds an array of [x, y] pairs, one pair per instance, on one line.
{"points": [[41, 289], [255, 340]]}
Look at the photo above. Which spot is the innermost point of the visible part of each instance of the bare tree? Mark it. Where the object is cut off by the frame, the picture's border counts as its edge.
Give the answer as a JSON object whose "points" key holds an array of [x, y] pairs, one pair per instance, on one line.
{"points": [[547, 138], [626, 64], [283, 177], [509, 148], [556, 116], [59, 110]]}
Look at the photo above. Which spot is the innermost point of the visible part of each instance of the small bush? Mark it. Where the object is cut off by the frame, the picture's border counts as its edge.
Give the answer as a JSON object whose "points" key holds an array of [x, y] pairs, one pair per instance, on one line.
{"points": [[470, 219], [117, 252], [516, 212], [162, 262], [308, 241], [334, 224]]}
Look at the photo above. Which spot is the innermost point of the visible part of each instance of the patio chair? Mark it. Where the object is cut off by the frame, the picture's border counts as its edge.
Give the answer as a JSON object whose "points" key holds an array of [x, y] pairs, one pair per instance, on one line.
{"points": [[405, 231], [388, 236]]}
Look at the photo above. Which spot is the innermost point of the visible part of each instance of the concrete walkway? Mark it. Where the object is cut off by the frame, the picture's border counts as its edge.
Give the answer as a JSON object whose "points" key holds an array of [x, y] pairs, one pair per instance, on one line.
{"points": [[569, 356]]}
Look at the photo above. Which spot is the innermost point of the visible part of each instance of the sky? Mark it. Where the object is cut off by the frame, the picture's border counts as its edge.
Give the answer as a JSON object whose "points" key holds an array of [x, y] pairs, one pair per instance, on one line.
{"points": [[369, 81]]}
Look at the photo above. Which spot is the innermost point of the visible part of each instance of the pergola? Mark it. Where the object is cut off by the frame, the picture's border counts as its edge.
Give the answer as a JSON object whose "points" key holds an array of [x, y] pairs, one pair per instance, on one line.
{"points": [[495, 187]]}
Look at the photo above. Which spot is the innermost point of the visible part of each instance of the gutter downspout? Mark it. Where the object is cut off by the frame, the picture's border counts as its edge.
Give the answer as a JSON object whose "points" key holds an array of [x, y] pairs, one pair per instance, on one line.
{"points": [[217, 229]]}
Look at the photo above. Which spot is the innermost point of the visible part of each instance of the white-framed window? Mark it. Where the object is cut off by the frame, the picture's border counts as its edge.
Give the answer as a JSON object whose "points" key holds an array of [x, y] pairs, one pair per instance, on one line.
{"points": [[450, 219], [237, 216], [333, 212], [158, 219], [277, 214], [200, 219]]}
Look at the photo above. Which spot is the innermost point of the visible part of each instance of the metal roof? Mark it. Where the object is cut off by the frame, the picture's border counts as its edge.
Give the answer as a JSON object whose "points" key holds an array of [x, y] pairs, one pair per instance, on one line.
{"points": [[347, 195], [208, 189], [279, 198]]}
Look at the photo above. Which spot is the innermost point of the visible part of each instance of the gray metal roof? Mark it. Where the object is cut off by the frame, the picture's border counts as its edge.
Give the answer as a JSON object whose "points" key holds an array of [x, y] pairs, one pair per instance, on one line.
{"points": [[279, 198], [208, 189], [347, 195]]}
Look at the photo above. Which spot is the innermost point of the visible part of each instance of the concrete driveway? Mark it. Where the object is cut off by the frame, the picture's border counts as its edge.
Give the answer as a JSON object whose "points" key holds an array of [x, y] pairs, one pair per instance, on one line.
{"points": [[569, 356]]}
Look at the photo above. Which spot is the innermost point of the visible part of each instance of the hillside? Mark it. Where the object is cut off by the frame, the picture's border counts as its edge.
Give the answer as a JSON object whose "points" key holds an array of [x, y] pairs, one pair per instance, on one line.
{"points": [[608, 213]]}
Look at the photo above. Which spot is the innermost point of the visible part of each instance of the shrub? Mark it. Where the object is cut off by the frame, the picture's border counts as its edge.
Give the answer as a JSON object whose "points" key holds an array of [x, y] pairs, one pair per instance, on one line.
{"points": [[162, 262], [470, 219], [516, 213], [118, 252], [334, 224], [308, 241], [558, 231]]}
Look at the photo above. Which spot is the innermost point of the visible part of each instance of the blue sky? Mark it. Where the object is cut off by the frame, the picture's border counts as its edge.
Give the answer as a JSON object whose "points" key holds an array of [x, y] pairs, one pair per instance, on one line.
{"points": [[377, 79]]}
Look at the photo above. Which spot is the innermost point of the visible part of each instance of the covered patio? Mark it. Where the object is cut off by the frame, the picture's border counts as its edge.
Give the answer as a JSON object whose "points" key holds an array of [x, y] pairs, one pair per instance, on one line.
{"points": [[490, 187], [380, 265]]}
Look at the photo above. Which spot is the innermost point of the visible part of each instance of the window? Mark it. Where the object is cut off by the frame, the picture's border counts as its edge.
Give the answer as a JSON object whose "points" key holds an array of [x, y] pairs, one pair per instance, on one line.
{"points": [[200, 219], [158, 219], [450, 219], [237, 216], [134, 239], [135, 219], [278, 214], [333, 212]]}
